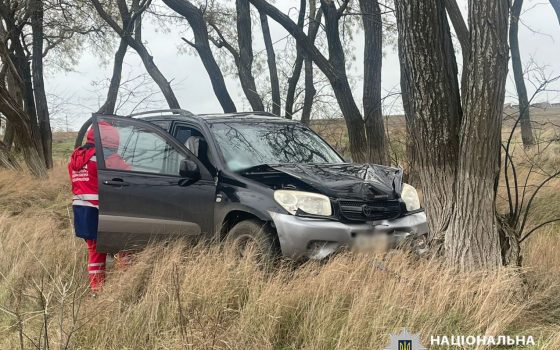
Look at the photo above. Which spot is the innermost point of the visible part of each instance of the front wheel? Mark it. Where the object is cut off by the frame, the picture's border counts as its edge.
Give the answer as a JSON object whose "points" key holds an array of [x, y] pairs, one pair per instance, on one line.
{"points": [[254, 237]]}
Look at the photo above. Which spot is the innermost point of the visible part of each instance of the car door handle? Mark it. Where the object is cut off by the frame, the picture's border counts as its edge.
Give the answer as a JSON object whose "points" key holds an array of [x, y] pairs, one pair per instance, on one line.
{"points": [[115, 182]]}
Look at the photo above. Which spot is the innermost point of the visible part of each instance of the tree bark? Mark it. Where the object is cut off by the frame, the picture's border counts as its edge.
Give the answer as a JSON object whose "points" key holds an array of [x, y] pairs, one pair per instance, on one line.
{"points": [[245, 42], [7, 160], [524, 116], [310, 90], [38, 83], [432, 104], [341, 85], [373, 55], [462, 33], [472, 240], [293, 80], [334, 69], [8, 136], [272, 67], [196, 20], [26, 136], [139, 47], [112, 94], [556, 6]]}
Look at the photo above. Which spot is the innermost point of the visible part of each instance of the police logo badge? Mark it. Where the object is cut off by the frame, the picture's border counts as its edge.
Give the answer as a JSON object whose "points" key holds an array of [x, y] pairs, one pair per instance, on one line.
{"points": [[405, 341]]}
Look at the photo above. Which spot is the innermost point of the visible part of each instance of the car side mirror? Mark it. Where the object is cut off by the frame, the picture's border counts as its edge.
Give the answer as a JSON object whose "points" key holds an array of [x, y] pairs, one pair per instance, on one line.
{"points": [[189, 169], [348, 159]]}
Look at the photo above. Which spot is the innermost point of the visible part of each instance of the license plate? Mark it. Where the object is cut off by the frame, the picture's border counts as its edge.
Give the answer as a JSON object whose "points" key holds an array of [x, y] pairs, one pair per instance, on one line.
{"points": [[378, 242]]}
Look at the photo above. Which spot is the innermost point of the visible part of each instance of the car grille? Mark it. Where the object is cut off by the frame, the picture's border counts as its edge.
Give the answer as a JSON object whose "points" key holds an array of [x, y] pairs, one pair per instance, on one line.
{"points": [[368, 211]]}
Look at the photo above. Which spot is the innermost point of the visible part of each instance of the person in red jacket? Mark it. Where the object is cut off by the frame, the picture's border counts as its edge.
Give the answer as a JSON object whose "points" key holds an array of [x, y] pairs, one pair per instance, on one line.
{"points": [[85, 202]]}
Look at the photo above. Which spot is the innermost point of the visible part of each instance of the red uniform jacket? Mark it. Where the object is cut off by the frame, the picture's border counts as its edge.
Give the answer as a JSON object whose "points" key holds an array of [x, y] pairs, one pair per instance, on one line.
{"points": [[83, 173]]}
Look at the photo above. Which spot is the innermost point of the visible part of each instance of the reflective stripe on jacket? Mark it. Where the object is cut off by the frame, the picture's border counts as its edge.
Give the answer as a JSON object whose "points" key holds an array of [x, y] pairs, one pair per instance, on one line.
{"points": [[83, 174]]}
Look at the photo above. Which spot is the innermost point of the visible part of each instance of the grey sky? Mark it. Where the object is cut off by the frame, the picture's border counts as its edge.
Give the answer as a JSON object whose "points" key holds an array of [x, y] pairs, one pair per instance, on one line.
{"points": [[539, 40]]}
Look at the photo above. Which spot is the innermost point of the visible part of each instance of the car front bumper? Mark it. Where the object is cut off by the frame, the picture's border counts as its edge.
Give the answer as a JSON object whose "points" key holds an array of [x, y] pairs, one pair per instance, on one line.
{"points": [[313, 238]]}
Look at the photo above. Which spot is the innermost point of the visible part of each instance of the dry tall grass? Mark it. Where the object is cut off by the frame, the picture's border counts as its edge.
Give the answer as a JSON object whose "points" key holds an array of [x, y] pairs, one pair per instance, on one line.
{"points": [[204, 297]]}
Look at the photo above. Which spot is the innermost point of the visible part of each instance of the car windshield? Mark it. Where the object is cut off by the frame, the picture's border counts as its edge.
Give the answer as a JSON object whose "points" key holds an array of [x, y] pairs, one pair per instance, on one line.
{"points": [[248, 144]]}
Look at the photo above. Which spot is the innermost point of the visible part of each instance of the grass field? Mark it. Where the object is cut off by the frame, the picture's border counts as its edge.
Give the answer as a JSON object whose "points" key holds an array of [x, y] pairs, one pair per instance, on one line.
{"points": [[204, 297]]}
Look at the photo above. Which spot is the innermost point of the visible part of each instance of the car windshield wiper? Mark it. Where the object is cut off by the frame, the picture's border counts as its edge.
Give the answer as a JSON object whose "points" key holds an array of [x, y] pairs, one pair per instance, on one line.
{"points": [[256, 168]]}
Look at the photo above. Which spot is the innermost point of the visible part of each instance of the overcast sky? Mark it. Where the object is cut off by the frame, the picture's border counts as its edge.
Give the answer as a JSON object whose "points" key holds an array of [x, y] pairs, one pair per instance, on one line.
{"points": [[539, 38]]}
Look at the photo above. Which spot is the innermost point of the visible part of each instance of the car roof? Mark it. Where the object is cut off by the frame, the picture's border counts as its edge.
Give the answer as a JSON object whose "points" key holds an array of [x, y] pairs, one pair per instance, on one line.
{"points": [[216, 117]]}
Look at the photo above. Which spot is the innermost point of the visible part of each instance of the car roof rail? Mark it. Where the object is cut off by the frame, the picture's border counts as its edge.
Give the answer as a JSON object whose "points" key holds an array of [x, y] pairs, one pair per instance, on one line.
{"points": [[161, 112], [241, 114]]}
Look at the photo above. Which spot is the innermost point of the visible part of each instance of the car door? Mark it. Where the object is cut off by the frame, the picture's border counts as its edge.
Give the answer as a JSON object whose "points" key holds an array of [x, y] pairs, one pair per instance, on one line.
{"points": [[142, 196]]}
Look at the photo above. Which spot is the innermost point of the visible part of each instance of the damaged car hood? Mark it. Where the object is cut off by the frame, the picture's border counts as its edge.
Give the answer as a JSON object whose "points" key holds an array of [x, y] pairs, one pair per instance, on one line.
{"points": [[351, 181]]}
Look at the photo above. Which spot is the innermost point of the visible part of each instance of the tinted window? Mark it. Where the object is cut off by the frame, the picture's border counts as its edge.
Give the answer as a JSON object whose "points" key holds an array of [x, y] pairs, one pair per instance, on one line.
{"points": [[247, 144], [127, 146]]}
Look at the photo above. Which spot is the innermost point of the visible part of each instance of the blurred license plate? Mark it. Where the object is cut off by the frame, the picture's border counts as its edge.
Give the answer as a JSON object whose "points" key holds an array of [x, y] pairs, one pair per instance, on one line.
{"points": [[378, 242]]}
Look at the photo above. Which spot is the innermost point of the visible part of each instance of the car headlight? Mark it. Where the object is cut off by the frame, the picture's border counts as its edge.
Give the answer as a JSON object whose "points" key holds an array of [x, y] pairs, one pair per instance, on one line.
{"points": [[410, 197], [308, 202]]}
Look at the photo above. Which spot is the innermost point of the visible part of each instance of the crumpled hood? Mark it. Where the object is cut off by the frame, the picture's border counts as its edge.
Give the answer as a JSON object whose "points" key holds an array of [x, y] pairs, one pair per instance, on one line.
{"points": [[351, 181], [80, 157]]}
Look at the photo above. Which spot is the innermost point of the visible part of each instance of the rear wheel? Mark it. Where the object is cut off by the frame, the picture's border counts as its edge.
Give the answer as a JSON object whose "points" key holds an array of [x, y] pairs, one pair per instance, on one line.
{"points": [[255, 237]]}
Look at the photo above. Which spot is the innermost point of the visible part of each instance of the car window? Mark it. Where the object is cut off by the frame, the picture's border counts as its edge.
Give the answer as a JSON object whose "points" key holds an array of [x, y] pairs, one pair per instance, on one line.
{"points": [[131, 147], [196, 143], [247, 144]]}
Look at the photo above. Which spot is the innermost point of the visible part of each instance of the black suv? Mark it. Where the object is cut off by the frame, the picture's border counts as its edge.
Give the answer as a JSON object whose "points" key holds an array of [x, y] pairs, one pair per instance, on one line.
{"points": [[244, 176]]}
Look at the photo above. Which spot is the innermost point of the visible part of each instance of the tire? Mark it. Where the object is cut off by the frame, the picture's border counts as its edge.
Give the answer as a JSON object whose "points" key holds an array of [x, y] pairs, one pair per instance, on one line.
{"points": [[254, 234]]}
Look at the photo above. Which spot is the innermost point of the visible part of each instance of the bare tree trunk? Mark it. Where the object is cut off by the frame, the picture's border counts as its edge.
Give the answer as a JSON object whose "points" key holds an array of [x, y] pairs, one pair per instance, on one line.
{"points": [[341, 85], [272, 67], [472, 240], [334, 68], [198, 25], [293, 80], [308, 67], [14, 90], [556, 6], [432, 104], [524, 117], [245, 42], [110, 102], [373, 55], [8, 136], [139, 47], [26, 137], [6, 159], [463, 35], [309, 92], [39, 85]]}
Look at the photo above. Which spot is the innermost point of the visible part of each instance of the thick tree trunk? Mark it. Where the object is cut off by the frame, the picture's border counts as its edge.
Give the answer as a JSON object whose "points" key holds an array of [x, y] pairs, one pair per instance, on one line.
{"points": [[8, 136], [139, 47], [7, 160], [432, 104], [472, 240], [38, 83], [524, 117], [310, 90], [373, 55], [26, 137], [556, 6], [14, 90], [245, 42], [272, 67], [293, 80], [198, 25]]}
